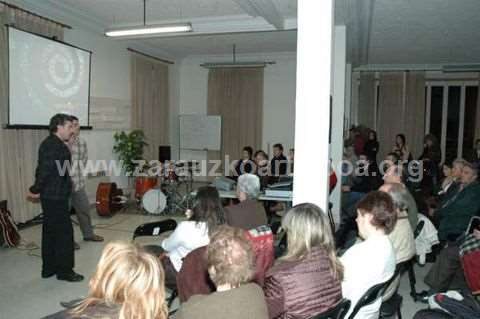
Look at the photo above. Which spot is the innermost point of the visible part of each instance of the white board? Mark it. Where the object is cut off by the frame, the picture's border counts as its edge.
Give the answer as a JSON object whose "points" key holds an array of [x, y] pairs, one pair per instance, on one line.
{"points": [[200, 132]]}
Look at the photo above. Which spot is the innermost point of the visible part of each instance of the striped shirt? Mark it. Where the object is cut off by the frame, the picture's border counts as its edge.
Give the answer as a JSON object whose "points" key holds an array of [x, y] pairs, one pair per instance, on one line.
{"points": [[79, 160]]}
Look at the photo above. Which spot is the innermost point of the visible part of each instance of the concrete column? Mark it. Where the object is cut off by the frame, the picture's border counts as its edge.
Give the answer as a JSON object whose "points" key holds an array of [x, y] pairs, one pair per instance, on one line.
{"points": [[338, 110], [312, 112]]}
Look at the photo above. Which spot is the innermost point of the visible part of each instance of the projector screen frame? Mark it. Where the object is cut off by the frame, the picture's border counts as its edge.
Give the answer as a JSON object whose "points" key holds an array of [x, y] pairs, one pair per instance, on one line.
{"points": [[54, 39]]}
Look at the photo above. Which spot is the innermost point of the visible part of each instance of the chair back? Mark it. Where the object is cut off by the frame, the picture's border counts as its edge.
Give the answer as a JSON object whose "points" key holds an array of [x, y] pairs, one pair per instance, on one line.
{"points": [[375, 292], [154, 228], [337, 312], [263, 249], [193, 278]]}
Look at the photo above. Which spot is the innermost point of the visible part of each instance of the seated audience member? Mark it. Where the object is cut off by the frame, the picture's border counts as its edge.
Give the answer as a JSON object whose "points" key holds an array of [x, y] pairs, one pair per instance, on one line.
{"points": [[431, 158], [453, 217], [401, 148], [390, 159], [127, 284], [291, 159], [402, 235], [365, 179], [456, 175], [447, 272], [371, 261], [278, 164], [206, 215], [306, 281], [396, 175], [230, 266], [262, 168], [367, 176], [475, 156], [246, 164], [249, 213], [356, 139], [448, 179], [372, 146]]}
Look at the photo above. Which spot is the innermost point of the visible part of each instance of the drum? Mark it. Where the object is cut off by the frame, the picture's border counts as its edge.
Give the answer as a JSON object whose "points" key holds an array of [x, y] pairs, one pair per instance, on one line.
{"points": [[154, 201], [143, 185]]}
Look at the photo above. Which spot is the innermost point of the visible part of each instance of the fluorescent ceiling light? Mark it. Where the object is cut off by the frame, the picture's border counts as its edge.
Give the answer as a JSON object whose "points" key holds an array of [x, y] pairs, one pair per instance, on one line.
{"points": [[149, 30]]}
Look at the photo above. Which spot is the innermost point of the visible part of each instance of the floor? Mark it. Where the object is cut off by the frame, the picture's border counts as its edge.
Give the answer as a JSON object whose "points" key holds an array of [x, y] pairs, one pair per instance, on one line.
{"points": [[25, 295]]}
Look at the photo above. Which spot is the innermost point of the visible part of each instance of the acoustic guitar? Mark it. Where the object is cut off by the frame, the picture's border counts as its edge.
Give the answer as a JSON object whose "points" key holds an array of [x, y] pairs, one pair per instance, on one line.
{"points": [[108, 199]]}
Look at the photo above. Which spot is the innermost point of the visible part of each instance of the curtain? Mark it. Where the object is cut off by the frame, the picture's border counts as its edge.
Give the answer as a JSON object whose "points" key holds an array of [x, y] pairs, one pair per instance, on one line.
{"points": [[150, 102], [390, 111], [18, 153], [414, 120], [477, 119], [236, 94], [366, 100]]}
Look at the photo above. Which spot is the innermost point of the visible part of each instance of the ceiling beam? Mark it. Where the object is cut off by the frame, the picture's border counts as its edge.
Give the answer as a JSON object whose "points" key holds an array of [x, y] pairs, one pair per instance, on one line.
{"points": [[265, 9]]}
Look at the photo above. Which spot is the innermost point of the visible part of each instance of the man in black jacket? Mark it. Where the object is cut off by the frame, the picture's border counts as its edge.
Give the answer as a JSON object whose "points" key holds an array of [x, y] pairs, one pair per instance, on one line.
{"points": [[53, 186]]}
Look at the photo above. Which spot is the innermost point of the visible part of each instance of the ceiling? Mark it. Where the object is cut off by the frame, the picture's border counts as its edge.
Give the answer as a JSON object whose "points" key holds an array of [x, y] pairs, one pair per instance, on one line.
{"points": [[378, 31], [411, 31]]}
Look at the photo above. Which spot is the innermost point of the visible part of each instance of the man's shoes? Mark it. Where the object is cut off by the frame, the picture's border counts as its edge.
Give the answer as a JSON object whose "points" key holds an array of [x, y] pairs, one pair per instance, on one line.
{"points": [[47, 274], [94, 238], [71, 277], [76, 246]]}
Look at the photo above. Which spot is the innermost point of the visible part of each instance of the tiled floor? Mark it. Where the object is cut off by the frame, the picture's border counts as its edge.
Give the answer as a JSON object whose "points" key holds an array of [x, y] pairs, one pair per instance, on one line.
{"points": [[25, 295]]}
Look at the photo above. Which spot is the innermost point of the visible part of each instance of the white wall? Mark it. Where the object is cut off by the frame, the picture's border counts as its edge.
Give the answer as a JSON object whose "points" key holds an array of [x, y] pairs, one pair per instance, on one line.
{"points": [[110, 79], [279, 95]]}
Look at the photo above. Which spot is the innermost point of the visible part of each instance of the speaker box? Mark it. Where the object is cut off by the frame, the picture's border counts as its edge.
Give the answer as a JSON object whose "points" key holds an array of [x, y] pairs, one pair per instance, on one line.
{"points": [[164, 153]]}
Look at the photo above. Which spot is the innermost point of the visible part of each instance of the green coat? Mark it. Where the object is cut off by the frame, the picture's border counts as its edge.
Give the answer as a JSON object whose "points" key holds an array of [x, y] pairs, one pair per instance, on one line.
{"points": [[455, 216]]}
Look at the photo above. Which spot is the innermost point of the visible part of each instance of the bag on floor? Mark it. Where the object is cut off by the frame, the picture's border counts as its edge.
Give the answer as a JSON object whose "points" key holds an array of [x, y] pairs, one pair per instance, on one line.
{"points": [[432, 314], [458, 305], [8, 229]]}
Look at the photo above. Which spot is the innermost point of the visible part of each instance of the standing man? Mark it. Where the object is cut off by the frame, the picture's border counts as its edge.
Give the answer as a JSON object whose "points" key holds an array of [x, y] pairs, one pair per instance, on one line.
{"points": [[80, 203], [53, 186]]}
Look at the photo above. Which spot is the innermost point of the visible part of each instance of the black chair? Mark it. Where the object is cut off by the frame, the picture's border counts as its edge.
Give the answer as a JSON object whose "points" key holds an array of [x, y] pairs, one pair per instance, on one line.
{"points": [[156, 229], [392, 307], [373, 294], [337, 312], [330, 217]]}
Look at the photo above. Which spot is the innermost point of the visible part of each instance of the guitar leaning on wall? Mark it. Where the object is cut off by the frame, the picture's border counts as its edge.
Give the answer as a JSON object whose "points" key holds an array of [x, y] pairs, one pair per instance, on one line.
{"points": [[9, 230]]}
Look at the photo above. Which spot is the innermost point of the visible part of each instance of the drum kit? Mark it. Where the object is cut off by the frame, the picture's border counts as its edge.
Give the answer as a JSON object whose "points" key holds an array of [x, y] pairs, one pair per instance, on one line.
{"points": [[162, 194]]}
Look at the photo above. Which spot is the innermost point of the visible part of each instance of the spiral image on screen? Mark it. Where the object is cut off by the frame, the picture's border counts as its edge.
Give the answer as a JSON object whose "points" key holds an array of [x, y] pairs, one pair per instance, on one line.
{"points": [[46, 77]]}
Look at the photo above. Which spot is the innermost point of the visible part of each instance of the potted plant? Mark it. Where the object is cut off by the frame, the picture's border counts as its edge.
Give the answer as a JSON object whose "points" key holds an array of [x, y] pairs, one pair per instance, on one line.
{"points": [[129, 148]]}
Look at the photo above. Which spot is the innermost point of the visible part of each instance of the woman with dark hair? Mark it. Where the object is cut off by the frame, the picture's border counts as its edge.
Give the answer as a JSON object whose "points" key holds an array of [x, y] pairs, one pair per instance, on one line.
{"points": [[306, 281], [206, 215], [371, 147], [431, 157], [371, 261], [401, 148], [245, 165]]}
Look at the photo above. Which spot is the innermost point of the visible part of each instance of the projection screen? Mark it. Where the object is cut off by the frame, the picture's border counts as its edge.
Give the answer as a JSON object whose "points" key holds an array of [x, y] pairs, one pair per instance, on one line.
{"points": [[46, 77]]}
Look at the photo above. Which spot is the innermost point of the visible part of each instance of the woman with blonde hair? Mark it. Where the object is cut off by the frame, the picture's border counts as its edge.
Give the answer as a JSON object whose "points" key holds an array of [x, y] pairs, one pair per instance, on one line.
{"points": [[306, 281], [128, 284]]}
